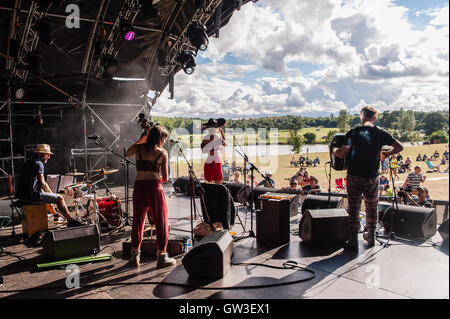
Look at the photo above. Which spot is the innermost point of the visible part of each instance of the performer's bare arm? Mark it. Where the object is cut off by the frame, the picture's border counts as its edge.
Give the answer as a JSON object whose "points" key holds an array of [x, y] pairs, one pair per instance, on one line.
{"points": [[164, 167], [44, 185]]}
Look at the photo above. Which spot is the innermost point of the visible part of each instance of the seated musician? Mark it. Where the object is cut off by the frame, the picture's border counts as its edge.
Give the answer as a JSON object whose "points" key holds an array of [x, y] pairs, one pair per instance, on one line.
{"points": [[32, 187]]}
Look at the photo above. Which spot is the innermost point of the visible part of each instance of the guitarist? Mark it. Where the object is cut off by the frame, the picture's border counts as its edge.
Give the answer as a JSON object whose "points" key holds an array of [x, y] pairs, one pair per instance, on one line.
{"points": [[33, 188], [362, 147]]}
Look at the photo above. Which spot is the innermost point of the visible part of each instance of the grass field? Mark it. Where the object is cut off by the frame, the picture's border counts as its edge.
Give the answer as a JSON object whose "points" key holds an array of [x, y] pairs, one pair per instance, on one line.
{"points": [[437, 184]]}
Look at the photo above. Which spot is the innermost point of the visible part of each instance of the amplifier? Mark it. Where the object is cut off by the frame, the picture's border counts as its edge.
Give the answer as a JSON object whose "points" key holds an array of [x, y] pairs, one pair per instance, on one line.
{"points": [[273, 220], [148, 247], [71, 242]]}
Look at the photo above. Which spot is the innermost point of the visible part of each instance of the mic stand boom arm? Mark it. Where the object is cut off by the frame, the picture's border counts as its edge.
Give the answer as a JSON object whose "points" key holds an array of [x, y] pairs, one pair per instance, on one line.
{"points": [[127, 163]]}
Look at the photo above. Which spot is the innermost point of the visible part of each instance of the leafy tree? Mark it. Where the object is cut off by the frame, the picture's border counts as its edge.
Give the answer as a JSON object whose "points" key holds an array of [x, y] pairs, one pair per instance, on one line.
{"points": [[297, 143], [310, 138], [330, 135], [343, 119], [434, 121], [439, 136]]}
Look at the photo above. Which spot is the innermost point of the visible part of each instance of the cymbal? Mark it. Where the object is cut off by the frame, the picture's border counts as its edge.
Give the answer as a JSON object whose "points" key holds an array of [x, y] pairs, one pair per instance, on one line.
{"points": [[104, 172], [104, 169], [75, 174]]}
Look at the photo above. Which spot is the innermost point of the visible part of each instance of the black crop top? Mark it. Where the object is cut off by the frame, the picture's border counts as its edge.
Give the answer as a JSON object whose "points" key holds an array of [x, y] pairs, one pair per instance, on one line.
{"points": [[144, 165]]}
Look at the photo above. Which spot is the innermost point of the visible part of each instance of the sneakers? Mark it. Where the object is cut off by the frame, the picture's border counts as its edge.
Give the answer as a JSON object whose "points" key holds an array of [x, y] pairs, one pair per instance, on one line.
{"points": [[135, 260], [74, 223], [165, 261], [352, 243], [369, 237]]}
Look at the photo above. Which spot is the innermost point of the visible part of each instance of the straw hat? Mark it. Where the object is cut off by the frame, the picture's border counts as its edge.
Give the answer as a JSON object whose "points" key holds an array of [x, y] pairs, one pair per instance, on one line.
{"points": [[43, 148]]}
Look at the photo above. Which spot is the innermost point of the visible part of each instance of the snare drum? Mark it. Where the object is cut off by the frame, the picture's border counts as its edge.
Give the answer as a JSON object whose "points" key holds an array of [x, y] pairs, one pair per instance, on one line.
{"points": [[109, 209]]}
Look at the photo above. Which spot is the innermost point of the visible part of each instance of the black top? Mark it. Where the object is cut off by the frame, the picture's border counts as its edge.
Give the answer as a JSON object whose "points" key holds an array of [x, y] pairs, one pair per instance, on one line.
{"points": [[365, 147], [145, 165], [29, 187]]}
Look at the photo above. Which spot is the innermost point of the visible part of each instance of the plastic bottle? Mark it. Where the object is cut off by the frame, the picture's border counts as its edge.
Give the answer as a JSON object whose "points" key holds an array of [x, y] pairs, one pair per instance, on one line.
{"points": [[188, 244]]}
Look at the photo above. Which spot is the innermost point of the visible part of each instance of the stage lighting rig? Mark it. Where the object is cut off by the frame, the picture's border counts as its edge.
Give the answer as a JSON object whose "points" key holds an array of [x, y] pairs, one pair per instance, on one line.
{"points": [[34, 63], [198, 37], [110, 64], [187, 60], [149, 9], [44, 27], [127, 30]]}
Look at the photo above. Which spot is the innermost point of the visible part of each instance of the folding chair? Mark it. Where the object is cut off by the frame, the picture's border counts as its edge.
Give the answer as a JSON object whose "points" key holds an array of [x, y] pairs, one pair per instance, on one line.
{"points": [[341, 184]]}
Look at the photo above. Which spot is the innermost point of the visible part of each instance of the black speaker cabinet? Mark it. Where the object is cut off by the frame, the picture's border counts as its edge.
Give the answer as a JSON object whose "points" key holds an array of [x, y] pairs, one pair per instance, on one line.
{"points": [[181, 185], [257, 191], [71, 242], [211, 257], [321, 201], [322, 227], [272, 221], [443, 230], [409, 221]]}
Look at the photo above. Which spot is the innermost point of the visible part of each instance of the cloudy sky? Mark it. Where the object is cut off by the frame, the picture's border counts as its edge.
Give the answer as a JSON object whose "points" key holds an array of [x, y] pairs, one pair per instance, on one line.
{"points": [[314, 58]]}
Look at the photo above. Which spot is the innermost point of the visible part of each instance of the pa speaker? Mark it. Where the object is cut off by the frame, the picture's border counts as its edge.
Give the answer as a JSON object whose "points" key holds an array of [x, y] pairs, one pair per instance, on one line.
{"points": [[211, 257], [409, 221], [443, 230], [181, 185], [71, 242], [260, 191], [321, 201], [322, 227]]}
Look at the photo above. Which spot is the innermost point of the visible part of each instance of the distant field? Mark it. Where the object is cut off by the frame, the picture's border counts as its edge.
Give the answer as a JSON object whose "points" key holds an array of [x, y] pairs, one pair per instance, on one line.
{"points": [[247, 137]]}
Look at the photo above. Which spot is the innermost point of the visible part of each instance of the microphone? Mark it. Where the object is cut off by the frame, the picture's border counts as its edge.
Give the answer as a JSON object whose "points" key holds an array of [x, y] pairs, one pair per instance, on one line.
{"points": [[174, 141], [93, 137]]}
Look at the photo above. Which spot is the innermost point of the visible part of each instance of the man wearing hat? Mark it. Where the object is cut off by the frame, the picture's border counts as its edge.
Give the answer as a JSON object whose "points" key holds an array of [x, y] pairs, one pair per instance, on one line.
{"points": [[267, 182], [213, 144], [33, 188]]}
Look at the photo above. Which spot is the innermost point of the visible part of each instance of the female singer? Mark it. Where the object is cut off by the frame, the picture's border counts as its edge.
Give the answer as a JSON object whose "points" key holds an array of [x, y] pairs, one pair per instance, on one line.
{"points": [[148, 194], [213, 143]]}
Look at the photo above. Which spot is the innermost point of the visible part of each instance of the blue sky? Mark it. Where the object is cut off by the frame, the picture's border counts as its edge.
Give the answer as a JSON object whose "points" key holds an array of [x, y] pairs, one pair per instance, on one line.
{"points": [[313, 58]]}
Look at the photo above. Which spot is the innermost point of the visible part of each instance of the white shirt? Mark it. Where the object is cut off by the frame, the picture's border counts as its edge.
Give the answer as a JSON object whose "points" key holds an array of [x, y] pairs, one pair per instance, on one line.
{"points": [[215, 145]]}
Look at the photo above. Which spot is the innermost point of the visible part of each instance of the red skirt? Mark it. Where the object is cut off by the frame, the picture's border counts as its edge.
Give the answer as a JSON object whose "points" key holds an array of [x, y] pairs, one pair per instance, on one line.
{"points": [[213, 171]]}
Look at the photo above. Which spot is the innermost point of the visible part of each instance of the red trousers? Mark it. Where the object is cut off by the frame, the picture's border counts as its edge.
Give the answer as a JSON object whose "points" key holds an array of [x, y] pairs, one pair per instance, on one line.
{"points": [[149, 197]]}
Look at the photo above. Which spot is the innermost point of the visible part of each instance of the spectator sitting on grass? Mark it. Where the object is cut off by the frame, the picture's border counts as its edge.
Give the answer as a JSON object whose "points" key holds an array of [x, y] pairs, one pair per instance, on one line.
{"points": [[316, 161], [443, 160], [267, 182], [384, 184], [432, 166], [423, 198], [305, 180], [407, 164], [418, 158], [312, 188], [414, 179], [249, 177], [236, 177]]}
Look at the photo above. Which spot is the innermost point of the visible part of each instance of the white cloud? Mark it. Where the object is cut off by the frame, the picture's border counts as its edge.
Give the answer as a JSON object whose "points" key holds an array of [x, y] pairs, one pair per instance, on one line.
{"points": [[359, 51]]}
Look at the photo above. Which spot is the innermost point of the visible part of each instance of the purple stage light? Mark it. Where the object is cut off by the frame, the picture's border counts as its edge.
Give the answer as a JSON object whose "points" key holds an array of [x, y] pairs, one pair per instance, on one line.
{"points": [[129, 35]]}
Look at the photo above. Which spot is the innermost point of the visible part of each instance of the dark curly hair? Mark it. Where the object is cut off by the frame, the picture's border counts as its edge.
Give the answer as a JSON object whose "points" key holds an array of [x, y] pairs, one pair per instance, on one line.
{"points": [[155, 135]]}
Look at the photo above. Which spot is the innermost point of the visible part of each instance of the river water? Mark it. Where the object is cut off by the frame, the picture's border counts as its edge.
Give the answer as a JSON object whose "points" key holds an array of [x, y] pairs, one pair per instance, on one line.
{"points": [[258, 150]]}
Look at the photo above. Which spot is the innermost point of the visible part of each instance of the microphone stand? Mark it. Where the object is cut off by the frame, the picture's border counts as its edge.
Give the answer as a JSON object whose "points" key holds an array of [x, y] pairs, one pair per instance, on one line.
{"points": [[193, 206], [127, 163], [252, 169]]}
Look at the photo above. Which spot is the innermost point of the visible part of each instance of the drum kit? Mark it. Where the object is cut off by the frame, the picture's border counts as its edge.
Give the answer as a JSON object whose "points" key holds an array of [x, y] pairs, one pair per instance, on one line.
{"points": [[105, 211]]}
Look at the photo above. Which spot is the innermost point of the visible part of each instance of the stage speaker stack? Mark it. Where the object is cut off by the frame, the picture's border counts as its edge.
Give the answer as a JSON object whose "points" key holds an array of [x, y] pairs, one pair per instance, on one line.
{"points": [[258, 191], [321, 201], [273, 220], [324, 227], [211, 257], [71, 242], [409, 221], [443, 230]]}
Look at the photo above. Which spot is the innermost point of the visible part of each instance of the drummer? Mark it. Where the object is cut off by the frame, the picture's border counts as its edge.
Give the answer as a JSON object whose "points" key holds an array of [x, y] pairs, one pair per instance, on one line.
{"points": [[32, 187]]}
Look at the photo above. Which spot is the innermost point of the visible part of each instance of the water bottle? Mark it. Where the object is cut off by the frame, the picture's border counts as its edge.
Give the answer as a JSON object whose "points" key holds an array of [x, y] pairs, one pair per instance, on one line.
{"points": [[188, 244]]}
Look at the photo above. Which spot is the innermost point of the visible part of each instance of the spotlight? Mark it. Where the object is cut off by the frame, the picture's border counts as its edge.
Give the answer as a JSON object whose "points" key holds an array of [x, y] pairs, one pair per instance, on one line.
{"points": [[34, 63], [127, 30], [20, 93], [198, 37], [187, 61], [44, 27], [110, 64], [148, 6]]}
